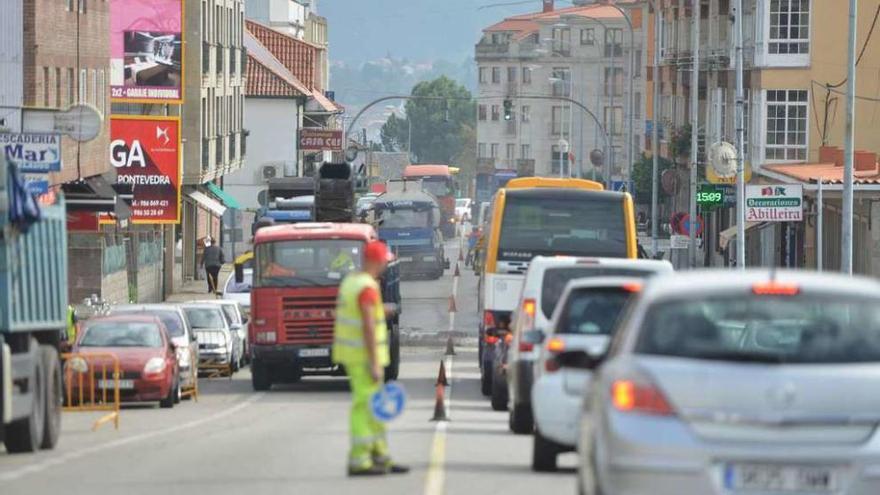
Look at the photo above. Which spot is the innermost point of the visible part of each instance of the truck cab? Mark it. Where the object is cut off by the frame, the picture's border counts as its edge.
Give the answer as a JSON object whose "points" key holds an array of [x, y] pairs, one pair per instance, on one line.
{"points": [[297, 270], [409, 222]]}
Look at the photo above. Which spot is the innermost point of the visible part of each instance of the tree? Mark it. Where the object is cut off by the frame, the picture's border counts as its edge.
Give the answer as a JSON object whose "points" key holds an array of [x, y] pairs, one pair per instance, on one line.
{"points": [[642, 172], [438, 124]]}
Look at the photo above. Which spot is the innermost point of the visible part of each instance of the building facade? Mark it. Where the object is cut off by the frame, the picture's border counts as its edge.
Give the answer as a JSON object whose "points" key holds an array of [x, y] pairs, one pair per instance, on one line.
{"points": [[538, 62]]}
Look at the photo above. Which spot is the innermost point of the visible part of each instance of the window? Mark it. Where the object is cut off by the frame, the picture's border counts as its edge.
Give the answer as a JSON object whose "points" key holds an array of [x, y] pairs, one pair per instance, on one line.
{"points": [[45, 86], [102, 84], [558, 161], [614, 42], [562, 41], [786, 125], [94, 99], [83, 85], [588, 36], [613, 81], [561, 79], [511, 74], [638, 67], [525, 152], [481, 112], [511, 151], [637, 105], [560, 121], [614, 120], [57, 87], [481, 150], [494, 150], [496, 75], [70, 87], [496, 113], [526, 113], [484, 75], [789, 27], [527, 75], [81, 6]]}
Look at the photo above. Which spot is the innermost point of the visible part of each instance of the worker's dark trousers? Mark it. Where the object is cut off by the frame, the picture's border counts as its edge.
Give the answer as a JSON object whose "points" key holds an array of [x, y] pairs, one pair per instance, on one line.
{"points": [[212, 273]]}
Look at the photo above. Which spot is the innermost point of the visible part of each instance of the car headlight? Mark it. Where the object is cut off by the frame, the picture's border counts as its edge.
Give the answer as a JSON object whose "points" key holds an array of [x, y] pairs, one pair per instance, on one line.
{"points": [[78, 365], [154, 365]]}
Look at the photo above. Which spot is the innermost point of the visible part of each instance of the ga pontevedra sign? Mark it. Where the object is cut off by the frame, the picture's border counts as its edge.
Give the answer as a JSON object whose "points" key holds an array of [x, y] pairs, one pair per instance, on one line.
{"points": [[311, 139], [775, 203], [146, 154]]}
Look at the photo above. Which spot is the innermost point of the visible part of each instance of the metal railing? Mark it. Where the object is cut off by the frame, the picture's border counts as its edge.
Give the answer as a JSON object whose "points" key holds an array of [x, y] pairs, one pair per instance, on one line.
{"points": [[92, 384]]}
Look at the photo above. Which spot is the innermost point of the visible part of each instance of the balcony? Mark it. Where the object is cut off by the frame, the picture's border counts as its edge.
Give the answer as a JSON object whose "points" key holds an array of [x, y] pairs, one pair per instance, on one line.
{"points": [[491, 49], [486, 164]]}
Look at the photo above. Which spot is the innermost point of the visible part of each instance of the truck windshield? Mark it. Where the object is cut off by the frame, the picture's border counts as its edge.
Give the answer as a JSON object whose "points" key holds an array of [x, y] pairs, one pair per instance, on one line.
{"points": [[438, 186], [309, 263], [404, 219]]}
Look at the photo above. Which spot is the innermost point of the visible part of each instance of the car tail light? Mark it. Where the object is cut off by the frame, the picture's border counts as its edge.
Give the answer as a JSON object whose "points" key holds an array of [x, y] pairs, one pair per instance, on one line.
{"points": [[491, 339], [634, 287], [488, 320], [556, 345], [775, 289], [551, 365], [528, 310], [266, 337], [526, 346], [631, 396]]}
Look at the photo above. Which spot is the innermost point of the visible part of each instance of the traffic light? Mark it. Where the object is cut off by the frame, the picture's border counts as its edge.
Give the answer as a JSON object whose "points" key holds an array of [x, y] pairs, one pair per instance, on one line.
{"points": [[508, 109]]}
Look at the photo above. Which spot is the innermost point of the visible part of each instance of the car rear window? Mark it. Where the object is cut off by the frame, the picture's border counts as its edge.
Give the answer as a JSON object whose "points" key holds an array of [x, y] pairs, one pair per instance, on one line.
{"points": [[555, 280], [170, 319], [592, 311], [767, 329]]}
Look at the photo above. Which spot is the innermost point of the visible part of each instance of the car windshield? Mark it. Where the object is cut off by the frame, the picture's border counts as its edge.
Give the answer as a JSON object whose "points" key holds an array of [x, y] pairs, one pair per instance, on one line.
{"points": [[404, 218], [592, 311], [555, 280], [121, 334], [318, 263], [171, 319], [205, 317], [797, 329], [233, 287], [231, 314]]}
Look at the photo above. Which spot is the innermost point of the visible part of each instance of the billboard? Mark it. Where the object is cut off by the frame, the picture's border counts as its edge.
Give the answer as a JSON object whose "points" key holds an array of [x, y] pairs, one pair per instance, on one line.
{"points": [[32, 153], [313, 139], [145, 151], [775, 203], [146, 51]]}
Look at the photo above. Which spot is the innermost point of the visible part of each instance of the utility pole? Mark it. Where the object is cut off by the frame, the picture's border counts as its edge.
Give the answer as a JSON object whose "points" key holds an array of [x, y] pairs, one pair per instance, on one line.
{"points": [[740, 140], [846, 249], [655, 132], [695, 125]]}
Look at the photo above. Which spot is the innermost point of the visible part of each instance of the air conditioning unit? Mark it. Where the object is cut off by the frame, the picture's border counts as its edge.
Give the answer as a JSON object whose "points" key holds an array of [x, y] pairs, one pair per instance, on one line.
{"points": [[268, 172]]}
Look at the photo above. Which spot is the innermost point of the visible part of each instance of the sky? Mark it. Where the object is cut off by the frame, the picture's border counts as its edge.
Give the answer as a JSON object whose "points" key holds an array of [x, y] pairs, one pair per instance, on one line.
{"points": [[418, 30]]}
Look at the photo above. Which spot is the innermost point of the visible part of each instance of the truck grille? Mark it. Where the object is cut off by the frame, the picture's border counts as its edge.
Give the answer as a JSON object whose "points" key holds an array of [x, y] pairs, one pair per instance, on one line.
{"points": [[308, 320]]}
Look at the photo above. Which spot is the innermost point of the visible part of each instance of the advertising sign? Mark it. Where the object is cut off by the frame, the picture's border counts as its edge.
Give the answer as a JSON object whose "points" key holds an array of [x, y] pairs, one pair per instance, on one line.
{"points": [[775, 203], [311, 139], [146, 154], [146, 51], [32, 153]]}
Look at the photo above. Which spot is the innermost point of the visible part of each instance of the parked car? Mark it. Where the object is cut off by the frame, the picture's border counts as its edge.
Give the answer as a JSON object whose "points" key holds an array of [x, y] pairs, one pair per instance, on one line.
{"points": [[463, 209], [147, 358], [216, 340], [544, 282], [240, 292], [727, 382], [179, 329], [584, 321], [238, 323]]}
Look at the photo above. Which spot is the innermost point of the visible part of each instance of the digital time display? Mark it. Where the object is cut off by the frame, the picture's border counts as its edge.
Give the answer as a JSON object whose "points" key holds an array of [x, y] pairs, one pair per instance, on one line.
{"points": [[710, 196]]}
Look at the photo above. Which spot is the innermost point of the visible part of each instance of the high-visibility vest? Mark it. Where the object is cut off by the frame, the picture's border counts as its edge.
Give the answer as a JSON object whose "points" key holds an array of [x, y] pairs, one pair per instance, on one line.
{"points": [[348, 332], [71, 325]]}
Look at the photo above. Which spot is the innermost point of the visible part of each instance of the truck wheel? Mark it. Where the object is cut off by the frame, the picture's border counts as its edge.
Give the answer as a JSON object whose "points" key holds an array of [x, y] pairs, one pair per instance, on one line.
{"points": [[393, 369], [26, 435], [499, 393], [54, 397], [260, 378]]}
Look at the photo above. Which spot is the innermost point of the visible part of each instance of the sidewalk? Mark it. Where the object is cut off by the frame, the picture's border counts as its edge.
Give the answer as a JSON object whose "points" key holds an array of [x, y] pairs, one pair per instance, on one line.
{"points": [[197, 290]]}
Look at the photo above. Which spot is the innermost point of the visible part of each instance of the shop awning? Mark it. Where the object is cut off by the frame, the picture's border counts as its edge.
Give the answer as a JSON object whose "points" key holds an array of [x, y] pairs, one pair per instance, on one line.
{"points": [[728, 235], [207, 202], [223, 196]]}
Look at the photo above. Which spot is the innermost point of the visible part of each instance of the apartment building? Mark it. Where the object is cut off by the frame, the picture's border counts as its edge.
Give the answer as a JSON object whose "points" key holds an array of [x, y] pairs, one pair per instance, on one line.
{"points": [[579, 53], [795, 71]]}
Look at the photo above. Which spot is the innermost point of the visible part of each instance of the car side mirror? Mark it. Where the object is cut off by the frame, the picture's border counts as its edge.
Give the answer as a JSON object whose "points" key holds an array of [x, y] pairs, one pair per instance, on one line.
{"points": [[579, 360], [534, 337], [244, 320]]}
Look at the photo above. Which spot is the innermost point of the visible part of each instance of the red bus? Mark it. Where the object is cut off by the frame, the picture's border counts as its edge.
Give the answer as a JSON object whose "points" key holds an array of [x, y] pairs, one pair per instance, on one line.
{"points": [[437, 180]]}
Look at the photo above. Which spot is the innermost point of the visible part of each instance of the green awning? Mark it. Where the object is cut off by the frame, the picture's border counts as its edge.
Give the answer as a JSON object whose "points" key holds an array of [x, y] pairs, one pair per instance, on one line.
{"points": [[224, 196]]}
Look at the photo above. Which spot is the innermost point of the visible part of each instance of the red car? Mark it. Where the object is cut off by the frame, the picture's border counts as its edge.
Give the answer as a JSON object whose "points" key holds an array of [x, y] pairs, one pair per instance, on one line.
{"points": [[147, 358]]}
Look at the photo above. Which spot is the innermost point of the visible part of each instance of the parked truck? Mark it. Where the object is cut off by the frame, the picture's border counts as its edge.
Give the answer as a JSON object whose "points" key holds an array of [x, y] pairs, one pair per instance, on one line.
{"points": [[409, 222], [297, 270], [33, 315], [329, 197]]}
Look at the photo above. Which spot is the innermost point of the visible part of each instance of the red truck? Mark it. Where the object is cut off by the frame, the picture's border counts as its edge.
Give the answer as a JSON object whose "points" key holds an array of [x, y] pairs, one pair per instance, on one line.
{"points": [[437, 180], [297, 270]]}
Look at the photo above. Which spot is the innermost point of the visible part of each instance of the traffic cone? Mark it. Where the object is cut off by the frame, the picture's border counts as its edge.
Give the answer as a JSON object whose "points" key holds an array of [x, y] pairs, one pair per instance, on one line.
{"points": [[450, 347], [457, 272], [441, 377], [439, 407], [461, 255], [452, 308]]}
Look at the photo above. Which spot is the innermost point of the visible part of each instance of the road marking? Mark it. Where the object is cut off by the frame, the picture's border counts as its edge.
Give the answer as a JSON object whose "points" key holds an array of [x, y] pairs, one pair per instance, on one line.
{"points": [[435, 480], [95, 449]]}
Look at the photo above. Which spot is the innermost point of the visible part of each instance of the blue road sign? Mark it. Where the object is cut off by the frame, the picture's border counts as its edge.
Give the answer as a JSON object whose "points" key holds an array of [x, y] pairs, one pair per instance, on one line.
{"points": [[623, 186], [388, 402]]}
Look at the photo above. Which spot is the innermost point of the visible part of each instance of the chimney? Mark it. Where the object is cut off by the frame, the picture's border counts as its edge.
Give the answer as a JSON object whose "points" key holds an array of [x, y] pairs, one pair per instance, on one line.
{"points": [[548, 6]]}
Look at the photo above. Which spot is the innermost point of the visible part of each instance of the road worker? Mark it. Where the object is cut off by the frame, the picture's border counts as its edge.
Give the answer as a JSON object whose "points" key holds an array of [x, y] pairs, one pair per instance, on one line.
{"points": [[360, 345]]}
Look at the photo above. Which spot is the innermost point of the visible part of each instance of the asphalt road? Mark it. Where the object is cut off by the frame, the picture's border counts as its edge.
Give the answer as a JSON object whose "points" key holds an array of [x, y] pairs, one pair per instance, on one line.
{"points": [[294, 439]]}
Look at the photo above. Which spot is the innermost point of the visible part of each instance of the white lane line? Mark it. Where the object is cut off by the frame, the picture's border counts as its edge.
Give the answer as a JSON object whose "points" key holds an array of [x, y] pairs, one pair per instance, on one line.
{"points": [[435, 480], [95, 449]]}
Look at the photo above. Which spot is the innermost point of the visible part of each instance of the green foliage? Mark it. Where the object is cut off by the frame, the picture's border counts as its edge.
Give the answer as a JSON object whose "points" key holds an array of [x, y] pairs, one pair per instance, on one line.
{"points": [[642, 171], [680, 145]]}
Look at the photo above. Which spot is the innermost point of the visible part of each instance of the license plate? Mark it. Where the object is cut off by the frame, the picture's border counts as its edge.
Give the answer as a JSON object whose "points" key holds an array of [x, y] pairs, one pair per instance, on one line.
{"points": [[123, 384], [404, 259], [320, 352], [780, 478]]}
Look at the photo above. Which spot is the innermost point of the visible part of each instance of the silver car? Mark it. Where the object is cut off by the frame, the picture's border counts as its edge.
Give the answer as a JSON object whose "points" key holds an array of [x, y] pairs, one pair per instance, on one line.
{"points": [[216, 340], [238, 323], [738, 383]]}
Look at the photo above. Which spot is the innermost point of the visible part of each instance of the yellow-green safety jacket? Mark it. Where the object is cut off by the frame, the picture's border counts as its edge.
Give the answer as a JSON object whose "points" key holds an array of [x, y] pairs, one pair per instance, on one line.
{"points": [[348, 333]]}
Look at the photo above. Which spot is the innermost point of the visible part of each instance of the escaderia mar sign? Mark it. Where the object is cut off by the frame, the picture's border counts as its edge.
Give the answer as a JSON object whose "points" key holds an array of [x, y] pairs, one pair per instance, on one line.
{"points": [[775, 203]]}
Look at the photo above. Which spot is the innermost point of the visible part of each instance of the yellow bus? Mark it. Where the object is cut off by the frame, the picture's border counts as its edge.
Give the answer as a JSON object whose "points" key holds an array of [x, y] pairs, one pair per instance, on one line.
{"points": [[533, 216]]}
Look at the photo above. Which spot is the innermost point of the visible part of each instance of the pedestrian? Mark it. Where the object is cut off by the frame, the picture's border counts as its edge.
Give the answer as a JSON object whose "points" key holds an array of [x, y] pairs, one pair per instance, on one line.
{"points": [[360, 345], [212, 261]]}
